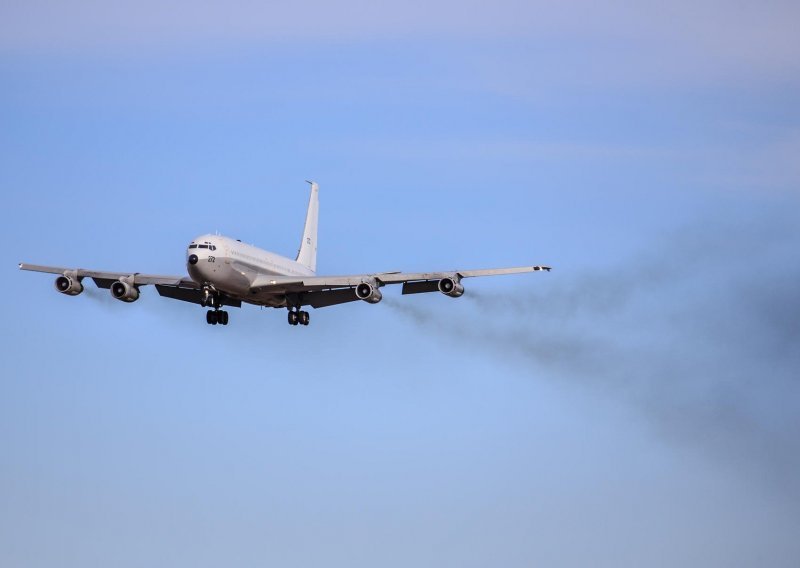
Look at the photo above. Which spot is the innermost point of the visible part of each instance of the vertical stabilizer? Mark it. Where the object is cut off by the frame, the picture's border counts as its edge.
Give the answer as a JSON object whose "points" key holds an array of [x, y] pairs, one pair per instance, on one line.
{"points": [[307, 255]]}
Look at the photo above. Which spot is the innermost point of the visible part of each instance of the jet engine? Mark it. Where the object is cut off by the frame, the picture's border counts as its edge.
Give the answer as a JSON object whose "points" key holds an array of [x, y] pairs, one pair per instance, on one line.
{"points": [[124, 292], [368, 292], [451, 287], [68, 286]]}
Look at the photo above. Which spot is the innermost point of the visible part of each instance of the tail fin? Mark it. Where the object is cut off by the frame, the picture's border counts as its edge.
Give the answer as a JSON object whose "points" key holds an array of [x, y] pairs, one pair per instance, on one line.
{"points": [[307, 255]]}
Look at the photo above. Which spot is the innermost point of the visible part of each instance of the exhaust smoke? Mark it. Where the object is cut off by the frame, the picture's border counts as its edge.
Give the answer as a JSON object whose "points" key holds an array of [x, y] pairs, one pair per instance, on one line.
{"points": [[701, 333]]}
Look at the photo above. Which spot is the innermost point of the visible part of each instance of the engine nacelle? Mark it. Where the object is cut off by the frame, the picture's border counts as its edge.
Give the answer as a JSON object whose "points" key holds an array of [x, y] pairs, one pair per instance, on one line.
{"points": [[451, 287], [124, 292], [68, 286], [369, 293]]}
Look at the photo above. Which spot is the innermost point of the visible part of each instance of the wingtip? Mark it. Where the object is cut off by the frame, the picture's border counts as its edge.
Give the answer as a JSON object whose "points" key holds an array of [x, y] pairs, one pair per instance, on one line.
{"points": [[546, 268]]}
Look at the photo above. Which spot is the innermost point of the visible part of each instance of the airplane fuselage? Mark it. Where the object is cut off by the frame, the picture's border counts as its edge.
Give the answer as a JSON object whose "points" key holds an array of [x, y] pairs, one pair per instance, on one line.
{"points": [[231, 266]]}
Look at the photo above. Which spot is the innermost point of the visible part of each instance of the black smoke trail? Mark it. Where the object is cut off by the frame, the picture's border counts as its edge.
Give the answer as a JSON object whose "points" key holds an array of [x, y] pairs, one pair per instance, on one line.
{"points": [[701, 332]]}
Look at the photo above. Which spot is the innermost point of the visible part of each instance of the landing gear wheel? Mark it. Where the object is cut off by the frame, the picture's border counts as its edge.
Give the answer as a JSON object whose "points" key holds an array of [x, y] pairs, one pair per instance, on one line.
{"points": [[303, 318], [211, 317], [222, 317], [293, 318]]}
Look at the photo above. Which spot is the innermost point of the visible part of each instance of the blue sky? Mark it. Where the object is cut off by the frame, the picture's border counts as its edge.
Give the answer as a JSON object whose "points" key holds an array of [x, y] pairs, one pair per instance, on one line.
{"points": [[637, 405]]}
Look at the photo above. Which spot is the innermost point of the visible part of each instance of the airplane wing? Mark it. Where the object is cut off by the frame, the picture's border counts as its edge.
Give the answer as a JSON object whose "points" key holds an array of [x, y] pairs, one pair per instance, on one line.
{"points": [[175, 287], [266, 283], [315, 291], [321, 291], [104, 279]]}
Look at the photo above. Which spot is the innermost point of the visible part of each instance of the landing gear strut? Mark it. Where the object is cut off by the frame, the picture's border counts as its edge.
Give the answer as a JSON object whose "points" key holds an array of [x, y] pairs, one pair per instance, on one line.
{"points": [[298, 316], [210, 298]]}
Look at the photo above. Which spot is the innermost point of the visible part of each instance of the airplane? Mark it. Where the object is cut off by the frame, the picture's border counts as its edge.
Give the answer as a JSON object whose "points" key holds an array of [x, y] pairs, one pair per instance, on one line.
{"points": [[226, 272]]}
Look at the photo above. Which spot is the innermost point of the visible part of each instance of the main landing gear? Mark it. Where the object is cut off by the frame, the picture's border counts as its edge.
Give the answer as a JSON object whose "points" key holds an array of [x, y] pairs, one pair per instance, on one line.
{"points": [[211, 299], [298, 317], [214, 317]]}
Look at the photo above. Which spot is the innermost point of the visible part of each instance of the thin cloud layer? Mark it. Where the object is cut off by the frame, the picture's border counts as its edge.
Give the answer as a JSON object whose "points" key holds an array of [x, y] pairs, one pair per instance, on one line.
{"points": [[709, 33]]}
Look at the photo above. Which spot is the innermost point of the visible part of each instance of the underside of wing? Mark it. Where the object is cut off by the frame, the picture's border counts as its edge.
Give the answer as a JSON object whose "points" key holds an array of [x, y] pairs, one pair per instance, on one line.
{"points": [[315, 283], [321, 291], [193, 295]]}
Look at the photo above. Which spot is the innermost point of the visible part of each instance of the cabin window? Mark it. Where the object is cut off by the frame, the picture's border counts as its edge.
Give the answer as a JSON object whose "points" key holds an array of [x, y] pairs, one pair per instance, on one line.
{"points": [[192, 246]]}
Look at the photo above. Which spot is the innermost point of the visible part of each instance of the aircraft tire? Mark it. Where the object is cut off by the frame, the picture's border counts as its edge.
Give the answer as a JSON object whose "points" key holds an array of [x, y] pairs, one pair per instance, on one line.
{"points": [[222, 316], [211, 317]]}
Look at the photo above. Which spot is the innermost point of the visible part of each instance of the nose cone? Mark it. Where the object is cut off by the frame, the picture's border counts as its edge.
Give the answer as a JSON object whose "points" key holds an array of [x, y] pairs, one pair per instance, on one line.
{"points": [[199, 270]]}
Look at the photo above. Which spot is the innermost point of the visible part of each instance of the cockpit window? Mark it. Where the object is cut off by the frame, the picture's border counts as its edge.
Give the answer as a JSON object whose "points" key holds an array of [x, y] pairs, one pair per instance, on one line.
{"points": [[212, 247], [202, 246], [192, 246]]}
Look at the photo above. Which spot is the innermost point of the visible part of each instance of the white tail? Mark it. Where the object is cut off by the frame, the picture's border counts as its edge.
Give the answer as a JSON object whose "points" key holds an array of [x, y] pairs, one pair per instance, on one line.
{"points": [[307, 255]]}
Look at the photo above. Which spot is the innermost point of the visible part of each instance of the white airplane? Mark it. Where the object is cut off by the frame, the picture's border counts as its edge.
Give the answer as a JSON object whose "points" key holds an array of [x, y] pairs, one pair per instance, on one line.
{"points": [[227, 272]]}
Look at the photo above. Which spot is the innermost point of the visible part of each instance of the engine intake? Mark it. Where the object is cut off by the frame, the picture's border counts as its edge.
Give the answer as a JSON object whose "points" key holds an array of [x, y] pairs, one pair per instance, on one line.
{"points": [[451, 287], [124, 292], [68, 286], [369, 293]]}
